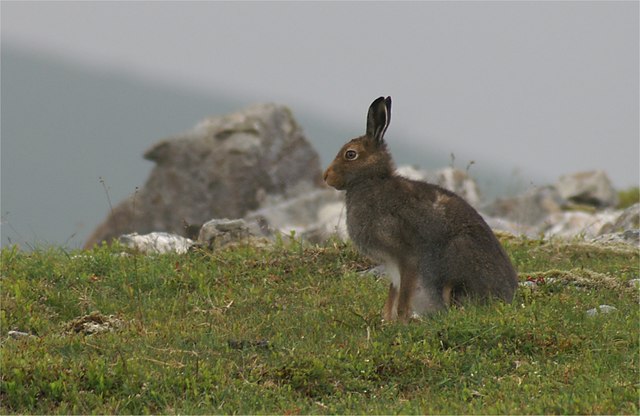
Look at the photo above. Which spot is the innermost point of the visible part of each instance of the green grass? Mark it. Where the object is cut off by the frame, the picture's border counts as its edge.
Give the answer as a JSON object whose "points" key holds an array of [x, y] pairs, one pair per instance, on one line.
{"points": [[628, 197], [297, 330]]}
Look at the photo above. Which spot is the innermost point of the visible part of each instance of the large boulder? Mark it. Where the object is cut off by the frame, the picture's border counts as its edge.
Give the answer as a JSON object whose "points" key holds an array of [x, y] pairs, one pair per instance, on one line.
{"points": [[223, 168], [588, 188]]}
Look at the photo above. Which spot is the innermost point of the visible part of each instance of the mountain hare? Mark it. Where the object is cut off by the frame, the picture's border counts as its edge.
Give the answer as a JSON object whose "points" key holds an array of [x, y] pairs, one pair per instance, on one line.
{"points": [[436, 248]]}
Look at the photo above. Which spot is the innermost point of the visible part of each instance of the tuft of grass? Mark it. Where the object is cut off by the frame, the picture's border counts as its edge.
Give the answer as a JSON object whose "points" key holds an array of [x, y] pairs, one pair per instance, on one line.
{"points": [[297, 329]]}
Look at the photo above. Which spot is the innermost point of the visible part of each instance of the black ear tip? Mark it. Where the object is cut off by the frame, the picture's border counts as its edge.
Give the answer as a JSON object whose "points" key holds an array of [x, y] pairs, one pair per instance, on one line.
{"points": [[380, 100]]}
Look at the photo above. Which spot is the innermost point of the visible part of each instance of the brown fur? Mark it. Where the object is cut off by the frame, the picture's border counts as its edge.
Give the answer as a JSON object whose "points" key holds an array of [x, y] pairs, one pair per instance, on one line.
{"points": [[437, 248]]}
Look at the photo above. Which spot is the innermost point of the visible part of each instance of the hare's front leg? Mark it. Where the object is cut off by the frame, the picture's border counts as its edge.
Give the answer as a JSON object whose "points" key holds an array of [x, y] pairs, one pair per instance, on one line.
{"points": [[405, 295], [392, 272], [391, 305]]}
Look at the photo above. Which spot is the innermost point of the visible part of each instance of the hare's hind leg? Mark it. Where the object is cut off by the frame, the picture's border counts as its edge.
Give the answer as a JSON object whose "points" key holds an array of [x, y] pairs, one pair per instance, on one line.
{"points": [[447, 292], [392, 271], [428, 299], [430, 295]]}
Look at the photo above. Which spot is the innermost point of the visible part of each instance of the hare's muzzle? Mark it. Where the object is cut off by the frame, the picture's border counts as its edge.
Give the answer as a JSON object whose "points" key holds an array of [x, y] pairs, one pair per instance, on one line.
{"points": [[329, 176], [332, 179]]}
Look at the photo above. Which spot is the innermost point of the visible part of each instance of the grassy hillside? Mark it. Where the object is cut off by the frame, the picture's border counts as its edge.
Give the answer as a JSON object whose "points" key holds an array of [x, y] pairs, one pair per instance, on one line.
{"points": [[294, 329]]}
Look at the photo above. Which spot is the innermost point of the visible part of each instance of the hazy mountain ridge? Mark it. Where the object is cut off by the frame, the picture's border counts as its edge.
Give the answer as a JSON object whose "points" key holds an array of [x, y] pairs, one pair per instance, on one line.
{"points": [[66, 126]]}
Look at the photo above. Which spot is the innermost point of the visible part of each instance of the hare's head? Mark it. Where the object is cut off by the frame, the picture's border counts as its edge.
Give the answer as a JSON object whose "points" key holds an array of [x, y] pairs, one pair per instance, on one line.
{"points": [[365, 157]]}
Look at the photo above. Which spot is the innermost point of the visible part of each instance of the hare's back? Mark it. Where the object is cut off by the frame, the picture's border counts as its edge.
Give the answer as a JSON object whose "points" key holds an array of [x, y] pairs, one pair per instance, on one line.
{"points": [[432, 208], [436, 219], [402, 216]]}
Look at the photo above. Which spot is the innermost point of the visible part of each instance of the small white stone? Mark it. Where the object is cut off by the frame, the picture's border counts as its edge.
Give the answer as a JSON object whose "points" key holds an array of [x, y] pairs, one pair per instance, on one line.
{"points": [[602, 309], [157, 243], [19, 334]]}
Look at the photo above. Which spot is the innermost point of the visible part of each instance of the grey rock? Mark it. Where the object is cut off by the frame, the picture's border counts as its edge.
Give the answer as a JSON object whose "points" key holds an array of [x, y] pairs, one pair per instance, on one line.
{"points": [[628, 219], [455, 180], [529, 209], [602, 309], [511, 227], [603, 226], [627, 237], [591, 188], [571, 224], [223, 168], [635, 283], [300, 214], [218, 233], [156, 243], [459, 182]]}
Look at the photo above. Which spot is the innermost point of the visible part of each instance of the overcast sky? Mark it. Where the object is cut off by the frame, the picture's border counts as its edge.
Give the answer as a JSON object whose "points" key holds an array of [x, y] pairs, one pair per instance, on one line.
{"points": [[545, 87]]}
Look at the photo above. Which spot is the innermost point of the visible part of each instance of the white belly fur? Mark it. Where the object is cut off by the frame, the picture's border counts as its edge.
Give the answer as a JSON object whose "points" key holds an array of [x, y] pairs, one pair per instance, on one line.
{"points": [[422, 300], [393, 273]]}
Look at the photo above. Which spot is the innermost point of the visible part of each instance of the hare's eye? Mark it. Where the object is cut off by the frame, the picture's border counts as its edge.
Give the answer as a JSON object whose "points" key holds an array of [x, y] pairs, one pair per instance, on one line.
{"points": [[350, 154]]}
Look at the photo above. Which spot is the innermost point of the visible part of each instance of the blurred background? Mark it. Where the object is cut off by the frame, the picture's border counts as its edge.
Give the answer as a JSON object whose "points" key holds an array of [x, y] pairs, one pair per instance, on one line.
{"points": [[528, 91]]}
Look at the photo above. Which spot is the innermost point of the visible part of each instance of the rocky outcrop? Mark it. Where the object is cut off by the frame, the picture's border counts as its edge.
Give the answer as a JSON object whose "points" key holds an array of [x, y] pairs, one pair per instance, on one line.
{"points": [[607, 226], [304, 215], [223, 168], [577, 205], [528, 209], [631, 236], [627, 220], [453, 179], [320, 214], [213, 235], [256, 168], [576, 224]]}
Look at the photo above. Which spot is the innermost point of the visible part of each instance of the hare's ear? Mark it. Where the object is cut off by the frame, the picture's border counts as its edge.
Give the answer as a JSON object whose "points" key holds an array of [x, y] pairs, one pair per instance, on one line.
{"points": [[378, 119]]}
